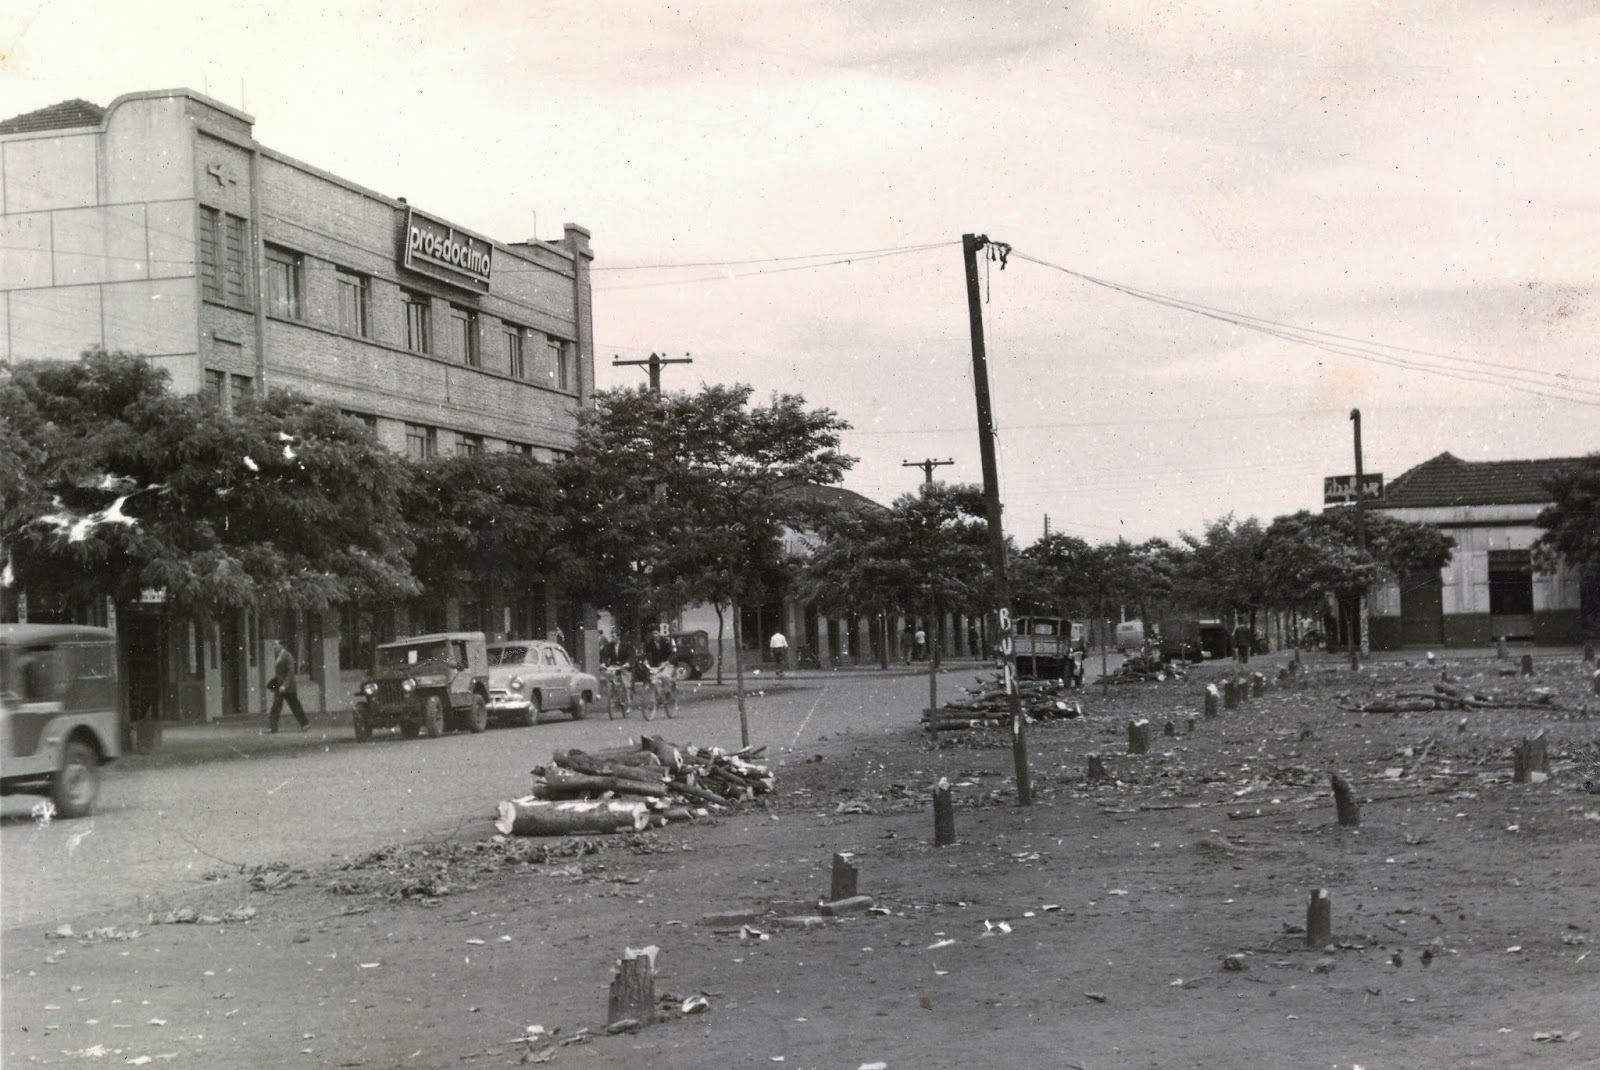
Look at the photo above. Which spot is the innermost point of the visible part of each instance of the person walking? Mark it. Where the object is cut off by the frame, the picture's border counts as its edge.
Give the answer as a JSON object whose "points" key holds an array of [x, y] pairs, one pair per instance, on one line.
{"points": [[779, 645], [920, 652], [1242, 638], [283, 687]]}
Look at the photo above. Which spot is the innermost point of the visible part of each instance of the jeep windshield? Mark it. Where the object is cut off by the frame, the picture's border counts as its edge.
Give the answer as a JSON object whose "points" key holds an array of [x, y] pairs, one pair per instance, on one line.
{"points": [[507, 655], [400, 657]]}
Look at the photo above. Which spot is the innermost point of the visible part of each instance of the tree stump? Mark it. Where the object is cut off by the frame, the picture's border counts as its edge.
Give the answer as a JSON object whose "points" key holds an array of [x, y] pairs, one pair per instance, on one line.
{"points": [[1138, 736], [1230, 694], [1190, 722], [944, 815], [1596, 682], [1319, 919], [1527, 665], [1529, 757], [1258, 684], [1500, 648], [1097, 769], [1170, 730], [633, 988], [844, 878], [1345, 801], [1588, 651], [1214, 700]]}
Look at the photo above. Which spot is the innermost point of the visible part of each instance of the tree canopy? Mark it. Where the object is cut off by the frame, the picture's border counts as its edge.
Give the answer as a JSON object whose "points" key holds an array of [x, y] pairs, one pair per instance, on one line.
{"points": [[1571, 522]]}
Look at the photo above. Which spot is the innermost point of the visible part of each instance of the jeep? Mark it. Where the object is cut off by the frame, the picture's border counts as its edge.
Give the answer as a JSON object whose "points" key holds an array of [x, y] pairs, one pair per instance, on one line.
{"points": [[427, 683]]}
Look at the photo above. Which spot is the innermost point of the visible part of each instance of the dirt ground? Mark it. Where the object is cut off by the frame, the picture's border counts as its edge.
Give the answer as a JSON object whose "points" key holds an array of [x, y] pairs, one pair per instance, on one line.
{"points": [[1150, 921]]}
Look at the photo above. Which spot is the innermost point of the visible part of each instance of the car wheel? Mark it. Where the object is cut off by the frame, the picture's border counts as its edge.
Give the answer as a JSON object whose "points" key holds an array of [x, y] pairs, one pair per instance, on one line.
{"points": [[530, 716], [681, 671], [478, 718], [433, 716], [696, 672], [410, 729], [363, 729], [77, 782], [580, 705]]}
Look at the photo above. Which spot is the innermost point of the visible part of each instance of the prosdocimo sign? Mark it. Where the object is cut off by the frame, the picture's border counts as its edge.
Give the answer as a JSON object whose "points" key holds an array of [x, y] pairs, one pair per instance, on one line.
{"points": [[446, 252]]}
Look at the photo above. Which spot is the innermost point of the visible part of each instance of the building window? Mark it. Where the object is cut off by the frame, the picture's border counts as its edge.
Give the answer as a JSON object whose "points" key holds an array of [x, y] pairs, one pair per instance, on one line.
{"points": [[216, 387], [422, 442], [243, 387], [419, 321], [526, 449], [515, 367], [469, 445], [285, 282], [354, 289], [560, 361], [222, 257], [463, 336]]}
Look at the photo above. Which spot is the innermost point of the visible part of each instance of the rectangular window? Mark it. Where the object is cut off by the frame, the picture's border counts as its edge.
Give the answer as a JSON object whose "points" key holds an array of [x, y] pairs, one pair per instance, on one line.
{"points": [[285, 283], [469, 445], [514, 362], [419, 321], [560, 360], [463, 336], [222, 257], [216, 386], [354, 289], [243, 387], [422, 442]]}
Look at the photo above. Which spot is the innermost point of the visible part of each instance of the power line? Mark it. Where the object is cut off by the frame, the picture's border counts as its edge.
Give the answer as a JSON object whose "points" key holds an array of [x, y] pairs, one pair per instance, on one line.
{"points": [[771, 259], [730, 276]]}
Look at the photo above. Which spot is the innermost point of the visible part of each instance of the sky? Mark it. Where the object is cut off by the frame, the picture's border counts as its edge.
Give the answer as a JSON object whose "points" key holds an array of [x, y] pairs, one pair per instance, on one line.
{"points": [[1229, 224]]}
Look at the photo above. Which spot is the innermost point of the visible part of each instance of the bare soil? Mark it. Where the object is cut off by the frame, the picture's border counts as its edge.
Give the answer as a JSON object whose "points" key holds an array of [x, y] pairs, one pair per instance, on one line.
{"points": [[1152, 920]]}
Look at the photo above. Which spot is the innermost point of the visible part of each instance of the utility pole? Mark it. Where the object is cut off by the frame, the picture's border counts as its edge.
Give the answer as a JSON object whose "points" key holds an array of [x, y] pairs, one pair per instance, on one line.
{"points": [[927, 470], [654, 363], [970, 244], [1358, 634]]}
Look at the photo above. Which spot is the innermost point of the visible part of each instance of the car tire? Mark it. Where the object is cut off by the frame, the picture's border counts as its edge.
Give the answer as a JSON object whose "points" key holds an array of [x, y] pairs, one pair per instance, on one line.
{"points": [[695, 672], [478, 716], [580, 706], [433, 716], [363, 729], [410, 729], [77, 783], [530, 716], [681, 671]]}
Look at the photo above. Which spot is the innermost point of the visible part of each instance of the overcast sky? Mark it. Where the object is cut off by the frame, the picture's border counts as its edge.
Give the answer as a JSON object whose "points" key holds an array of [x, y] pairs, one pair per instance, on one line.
{"points": [[1414, 181]]}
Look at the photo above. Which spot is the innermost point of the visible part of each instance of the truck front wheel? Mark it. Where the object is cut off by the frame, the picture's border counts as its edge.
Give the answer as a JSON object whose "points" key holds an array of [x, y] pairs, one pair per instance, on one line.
{"points": [[433, 716]]}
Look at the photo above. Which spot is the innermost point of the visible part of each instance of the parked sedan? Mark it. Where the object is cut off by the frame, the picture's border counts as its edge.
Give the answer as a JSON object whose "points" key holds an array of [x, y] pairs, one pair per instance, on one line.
{"points": [[529, 676]]}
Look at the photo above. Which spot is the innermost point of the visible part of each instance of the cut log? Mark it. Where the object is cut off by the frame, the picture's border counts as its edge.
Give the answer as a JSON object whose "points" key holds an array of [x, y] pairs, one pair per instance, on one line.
{"points": [[845, 905], [537, 817], [1138, 736], [579, 762], [633, 988], [559, 779], [663, 751], [1319, 919], [1345, 801]]}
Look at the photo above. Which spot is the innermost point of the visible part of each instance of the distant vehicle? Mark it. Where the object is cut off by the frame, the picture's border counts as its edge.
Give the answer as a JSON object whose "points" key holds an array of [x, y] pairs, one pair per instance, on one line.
{"points": [[527, 677], [1044, 646], [1130, 635], [691, 655], [426, 683], [59, 718]]}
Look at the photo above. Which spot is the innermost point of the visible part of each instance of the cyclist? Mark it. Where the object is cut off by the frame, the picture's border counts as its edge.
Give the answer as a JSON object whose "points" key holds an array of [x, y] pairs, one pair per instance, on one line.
{"points": [[658, 674], [617, 659]]}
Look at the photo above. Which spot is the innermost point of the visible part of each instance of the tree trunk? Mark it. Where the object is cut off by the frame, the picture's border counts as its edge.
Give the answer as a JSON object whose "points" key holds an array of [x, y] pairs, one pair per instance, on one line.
{"points": [[721, 628], [738, 676], [560, 780], [536, 817], [633, 988]]}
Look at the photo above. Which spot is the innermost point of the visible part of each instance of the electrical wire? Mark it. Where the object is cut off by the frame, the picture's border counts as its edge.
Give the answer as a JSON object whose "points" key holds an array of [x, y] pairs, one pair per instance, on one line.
{"points": [[730, 276], [772, 259]]}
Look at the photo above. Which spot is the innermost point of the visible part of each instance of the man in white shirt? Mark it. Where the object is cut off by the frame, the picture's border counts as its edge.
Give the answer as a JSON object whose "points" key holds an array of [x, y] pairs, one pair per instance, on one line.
{"points": [[779, 644]]}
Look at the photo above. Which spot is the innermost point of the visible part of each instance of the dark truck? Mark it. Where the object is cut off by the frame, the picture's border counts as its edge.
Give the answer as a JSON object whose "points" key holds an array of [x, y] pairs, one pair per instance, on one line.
{"points": [[1188, 639], [427, 683]]}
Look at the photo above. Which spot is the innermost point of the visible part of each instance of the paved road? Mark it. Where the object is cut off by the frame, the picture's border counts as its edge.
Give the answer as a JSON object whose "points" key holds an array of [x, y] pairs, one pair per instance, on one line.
{"points": [[158, 829]]}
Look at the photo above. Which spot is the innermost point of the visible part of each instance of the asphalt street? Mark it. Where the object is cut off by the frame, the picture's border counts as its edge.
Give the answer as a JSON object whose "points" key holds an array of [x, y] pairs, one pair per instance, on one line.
{"points": [[227, 797]]}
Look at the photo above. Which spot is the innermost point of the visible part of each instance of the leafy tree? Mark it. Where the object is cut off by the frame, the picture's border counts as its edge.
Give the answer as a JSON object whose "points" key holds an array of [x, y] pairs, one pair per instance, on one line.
{"points": [[1572, 521], [483, 520], [925, 554], [112, 484], [1221, 573], [683, 498], [1054, 576]]}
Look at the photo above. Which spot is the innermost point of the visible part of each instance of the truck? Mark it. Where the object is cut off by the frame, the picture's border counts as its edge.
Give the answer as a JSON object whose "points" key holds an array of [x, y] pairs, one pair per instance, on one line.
{"points": [[1045, 646], [426, 683]]}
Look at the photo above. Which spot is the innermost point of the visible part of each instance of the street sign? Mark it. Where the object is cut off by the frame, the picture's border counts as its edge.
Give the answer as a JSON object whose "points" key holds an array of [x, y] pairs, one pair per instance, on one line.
{"points": [[153, 596], [1341, 490]]}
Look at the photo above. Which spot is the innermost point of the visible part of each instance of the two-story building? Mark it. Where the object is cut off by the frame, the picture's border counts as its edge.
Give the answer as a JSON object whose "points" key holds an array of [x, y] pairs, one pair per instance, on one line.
{"points": [[159, 225]]}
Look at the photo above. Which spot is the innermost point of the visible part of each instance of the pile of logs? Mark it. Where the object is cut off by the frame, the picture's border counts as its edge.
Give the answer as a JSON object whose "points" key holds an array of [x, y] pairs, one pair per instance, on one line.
{"points": [[1042, 700], [1144, 668], [632, 788], [1447, 697]]}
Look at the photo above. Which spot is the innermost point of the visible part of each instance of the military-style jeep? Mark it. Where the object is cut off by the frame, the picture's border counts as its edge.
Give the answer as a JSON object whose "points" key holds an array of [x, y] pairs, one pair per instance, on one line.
{"points": [[427, 683]]}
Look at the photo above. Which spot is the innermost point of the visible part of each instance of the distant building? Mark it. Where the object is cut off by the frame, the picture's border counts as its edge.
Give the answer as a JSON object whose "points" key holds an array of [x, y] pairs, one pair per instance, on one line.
{"points": [[160, 226], [1491, 588]]}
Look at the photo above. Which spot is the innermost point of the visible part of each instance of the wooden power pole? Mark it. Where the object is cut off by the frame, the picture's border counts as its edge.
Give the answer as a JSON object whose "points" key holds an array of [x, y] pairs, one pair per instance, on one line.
{"points": [[654, 363], [927, 467], [970, 244]]}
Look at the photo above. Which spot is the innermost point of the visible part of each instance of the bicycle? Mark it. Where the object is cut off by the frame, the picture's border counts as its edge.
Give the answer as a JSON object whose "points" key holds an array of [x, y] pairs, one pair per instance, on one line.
{"points": [[618, 691], [663, 693]]}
